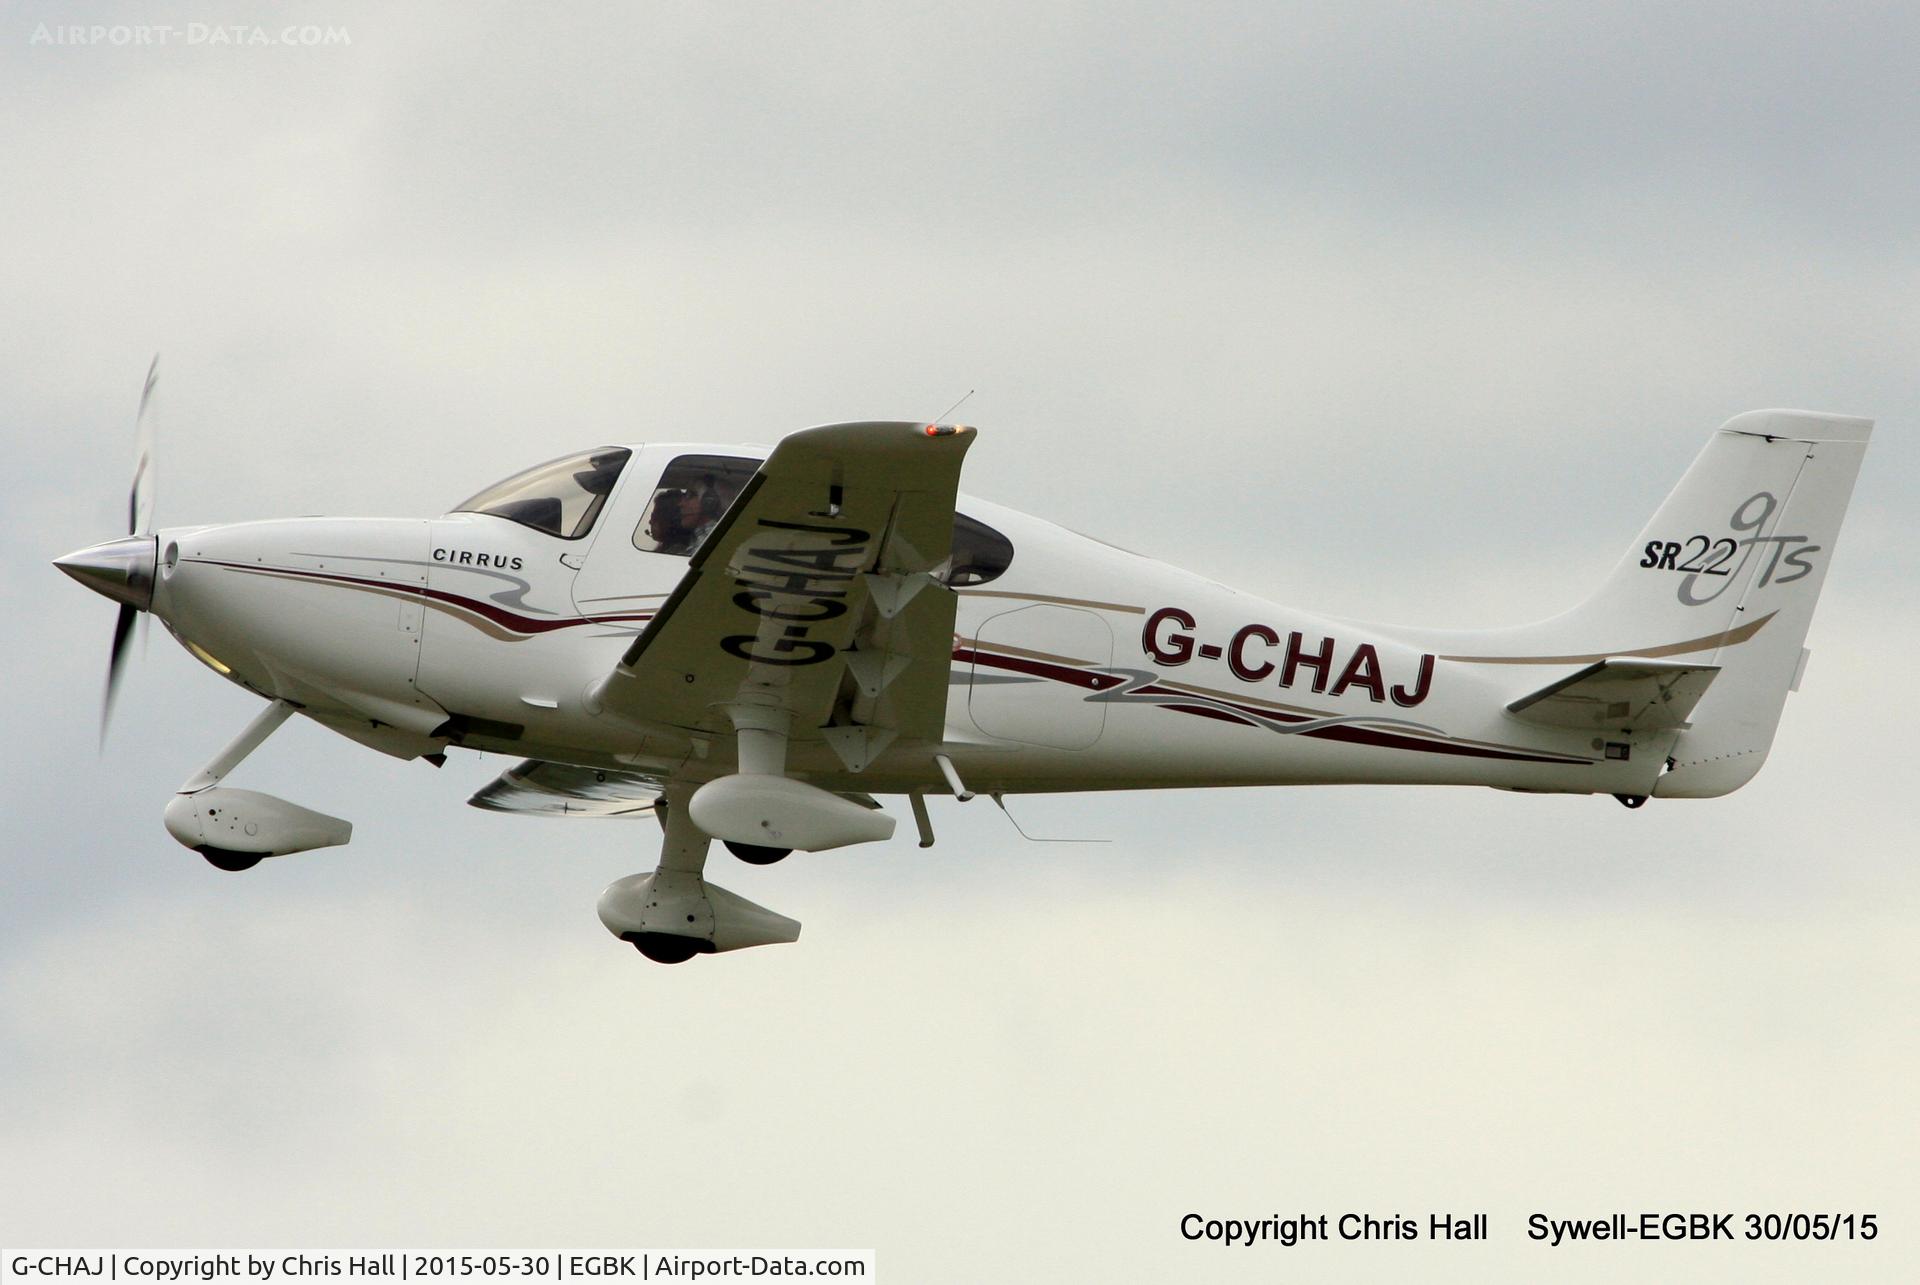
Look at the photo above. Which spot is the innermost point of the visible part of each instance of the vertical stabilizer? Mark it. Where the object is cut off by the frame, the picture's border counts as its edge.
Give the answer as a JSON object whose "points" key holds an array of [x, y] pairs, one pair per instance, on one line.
{"points": [[1756, 521], [1722, 581]]}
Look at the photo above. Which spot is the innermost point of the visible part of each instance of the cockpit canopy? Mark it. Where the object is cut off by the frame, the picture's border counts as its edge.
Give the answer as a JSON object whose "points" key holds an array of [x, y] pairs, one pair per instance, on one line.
{"points": [[562, 497]]}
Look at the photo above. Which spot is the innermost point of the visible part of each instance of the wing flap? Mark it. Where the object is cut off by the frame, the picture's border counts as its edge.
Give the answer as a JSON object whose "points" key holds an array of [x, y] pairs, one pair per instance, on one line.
{"points": [[538, 788], [1621, 694]]}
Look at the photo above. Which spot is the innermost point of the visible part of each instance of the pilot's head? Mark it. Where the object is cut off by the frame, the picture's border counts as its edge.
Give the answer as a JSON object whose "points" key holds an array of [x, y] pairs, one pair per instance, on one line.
{"points": [[667, 525]]}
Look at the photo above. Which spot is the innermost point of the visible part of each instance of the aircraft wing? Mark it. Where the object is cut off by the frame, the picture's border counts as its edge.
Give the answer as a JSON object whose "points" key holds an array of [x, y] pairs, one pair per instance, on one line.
{"points": [[1622, 693], [817, 595], [538, 788]]}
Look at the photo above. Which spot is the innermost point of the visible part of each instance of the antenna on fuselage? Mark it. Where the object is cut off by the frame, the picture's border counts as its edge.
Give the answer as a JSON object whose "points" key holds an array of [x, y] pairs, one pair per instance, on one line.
{"points": [[1001, 803]]}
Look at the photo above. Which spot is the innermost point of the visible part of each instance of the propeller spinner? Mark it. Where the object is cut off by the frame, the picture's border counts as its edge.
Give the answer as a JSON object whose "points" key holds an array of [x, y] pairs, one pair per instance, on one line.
{"points": [[123, 569]]}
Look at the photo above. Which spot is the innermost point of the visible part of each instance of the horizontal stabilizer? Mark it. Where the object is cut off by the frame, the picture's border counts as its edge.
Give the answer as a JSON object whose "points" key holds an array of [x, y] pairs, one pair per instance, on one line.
{"points": [[537, 788], [1625, 694]]}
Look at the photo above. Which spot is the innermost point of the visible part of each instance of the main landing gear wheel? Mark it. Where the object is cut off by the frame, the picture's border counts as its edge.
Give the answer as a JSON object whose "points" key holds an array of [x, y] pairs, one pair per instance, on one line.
{"points": [[666, 948], [230, 861], [755, 855], [1631, 800]]}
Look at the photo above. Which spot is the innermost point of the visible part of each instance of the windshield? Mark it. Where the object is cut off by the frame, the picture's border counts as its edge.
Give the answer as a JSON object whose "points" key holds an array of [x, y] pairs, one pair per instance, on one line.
{"points": [[561, 497]]}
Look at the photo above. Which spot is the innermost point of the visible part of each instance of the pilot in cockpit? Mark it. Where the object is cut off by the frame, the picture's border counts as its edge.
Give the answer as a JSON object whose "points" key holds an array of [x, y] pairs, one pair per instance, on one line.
{"points": [[702, 508], [692, 497], [667, 524]]}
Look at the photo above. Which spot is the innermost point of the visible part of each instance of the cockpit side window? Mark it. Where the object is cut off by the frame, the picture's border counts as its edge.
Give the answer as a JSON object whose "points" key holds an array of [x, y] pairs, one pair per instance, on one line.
{"points": [[693, 492], [980, 553], [696, 490], [562, 497]]}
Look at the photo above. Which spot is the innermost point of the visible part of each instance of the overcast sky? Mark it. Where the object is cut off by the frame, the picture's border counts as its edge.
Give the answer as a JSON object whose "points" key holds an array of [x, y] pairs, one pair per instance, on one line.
{"points": [[1395, 316]]}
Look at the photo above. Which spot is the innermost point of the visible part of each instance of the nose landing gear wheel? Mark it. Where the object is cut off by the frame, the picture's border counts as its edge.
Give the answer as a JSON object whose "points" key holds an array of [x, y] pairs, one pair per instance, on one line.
{"points": [[1631, 800]]}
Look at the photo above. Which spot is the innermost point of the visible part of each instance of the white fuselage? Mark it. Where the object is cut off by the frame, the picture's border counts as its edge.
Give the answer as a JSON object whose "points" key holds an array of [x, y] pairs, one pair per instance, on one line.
{"points": [[1080, 667]]}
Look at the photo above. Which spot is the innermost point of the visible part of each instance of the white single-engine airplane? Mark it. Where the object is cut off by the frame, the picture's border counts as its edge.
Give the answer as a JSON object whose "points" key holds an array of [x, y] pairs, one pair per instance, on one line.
{"points": [[752, 645]]}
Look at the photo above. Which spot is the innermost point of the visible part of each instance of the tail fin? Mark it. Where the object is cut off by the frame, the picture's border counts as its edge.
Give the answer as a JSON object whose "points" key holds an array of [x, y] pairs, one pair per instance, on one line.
{"points": [[1727, 574]]}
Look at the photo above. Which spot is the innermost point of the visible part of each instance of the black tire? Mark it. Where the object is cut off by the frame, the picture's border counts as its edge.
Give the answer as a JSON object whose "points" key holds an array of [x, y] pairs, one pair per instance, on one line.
{"points": [[230, 861], [755, 855], [666, 948]]}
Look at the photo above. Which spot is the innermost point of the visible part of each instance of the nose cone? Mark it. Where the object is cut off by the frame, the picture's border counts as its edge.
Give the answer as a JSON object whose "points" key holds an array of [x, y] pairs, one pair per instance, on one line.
{"points": [[118, 569]]}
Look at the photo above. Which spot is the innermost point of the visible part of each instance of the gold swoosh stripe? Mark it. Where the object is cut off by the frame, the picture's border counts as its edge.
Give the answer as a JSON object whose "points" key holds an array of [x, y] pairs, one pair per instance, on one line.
{"points": [[1047, 597], [1725, 638]]}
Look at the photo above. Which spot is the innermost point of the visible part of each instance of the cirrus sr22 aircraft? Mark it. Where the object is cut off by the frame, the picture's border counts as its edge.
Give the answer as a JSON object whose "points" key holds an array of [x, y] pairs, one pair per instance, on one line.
{"points": [[757, 646]]}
